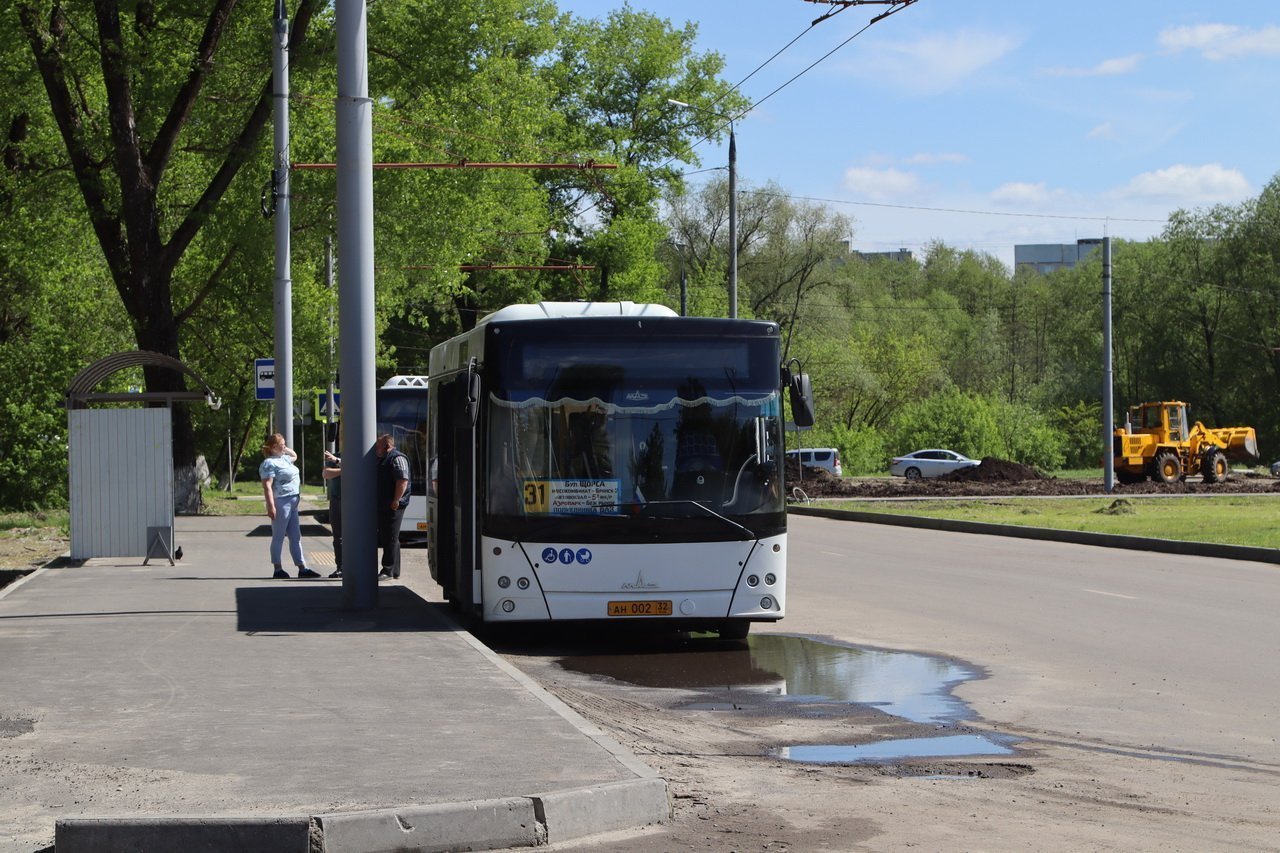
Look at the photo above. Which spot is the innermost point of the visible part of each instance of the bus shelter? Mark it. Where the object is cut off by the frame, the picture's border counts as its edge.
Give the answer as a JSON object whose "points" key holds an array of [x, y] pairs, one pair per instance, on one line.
{"points": [[120, 460]]}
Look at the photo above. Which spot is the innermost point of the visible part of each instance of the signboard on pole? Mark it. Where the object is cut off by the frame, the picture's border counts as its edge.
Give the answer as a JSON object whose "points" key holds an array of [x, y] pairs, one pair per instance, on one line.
{"points": [[328, 411], [264, 372]]}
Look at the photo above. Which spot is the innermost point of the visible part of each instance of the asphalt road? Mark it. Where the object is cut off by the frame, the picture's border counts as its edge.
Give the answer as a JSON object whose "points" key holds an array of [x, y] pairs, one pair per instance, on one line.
{"points": [[1159, 655], [1141, 690]]}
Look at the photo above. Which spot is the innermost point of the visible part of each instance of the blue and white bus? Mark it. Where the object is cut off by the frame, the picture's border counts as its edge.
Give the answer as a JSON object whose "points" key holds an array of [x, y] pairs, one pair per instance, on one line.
{"points": [[611, 462], [402, 412]]}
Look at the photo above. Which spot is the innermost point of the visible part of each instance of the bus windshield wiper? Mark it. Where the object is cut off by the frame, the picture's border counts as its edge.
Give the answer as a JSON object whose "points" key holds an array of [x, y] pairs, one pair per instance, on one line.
{"points": [[708, 510]]}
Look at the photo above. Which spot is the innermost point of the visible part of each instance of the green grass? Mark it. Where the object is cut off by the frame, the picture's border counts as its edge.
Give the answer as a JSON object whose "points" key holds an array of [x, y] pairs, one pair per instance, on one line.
{"points": [[1078, 474], [246, 499], [54, 519], [1230, 520]]}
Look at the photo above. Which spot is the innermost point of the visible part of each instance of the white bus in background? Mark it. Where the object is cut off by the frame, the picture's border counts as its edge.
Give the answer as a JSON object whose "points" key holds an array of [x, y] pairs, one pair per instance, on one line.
{"points": [[611, 462], [402, 412]]}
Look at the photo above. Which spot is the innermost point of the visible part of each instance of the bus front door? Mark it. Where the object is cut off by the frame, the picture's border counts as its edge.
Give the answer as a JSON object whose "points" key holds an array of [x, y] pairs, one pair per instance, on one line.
{"points": [[459, 494]]}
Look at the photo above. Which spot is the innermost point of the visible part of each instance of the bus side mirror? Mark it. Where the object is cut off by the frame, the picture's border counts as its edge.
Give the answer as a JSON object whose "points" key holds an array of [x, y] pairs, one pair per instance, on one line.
{"points": [[473, 394], [801, 391]]}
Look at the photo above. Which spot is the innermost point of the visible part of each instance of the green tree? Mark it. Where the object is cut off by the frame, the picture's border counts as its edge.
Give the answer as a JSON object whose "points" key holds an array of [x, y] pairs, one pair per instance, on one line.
{"points": [[158, 106]]}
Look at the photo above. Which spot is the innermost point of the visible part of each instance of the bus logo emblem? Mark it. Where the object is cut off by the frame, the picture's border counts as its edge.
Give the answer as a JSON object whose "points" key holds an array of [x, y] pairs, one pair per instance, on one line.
{"points": [[639, 583]]}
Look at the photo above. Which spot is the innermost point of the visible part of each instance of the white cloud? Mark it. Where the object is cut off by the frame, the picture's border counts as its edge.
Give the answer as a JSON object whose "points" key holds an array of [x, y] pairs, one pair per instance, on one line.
{"points": [[924, 159], [936, 63], [881, 184], [1105, 68], [1102, 131], [1184, 184], [1222, 41], [1021, 194]]}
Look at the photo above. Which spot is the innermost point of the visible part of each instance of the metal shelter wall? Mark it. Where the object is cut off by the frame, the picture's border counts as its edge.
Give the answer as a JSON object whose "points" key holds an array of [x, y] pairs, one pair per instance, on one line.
{"points": [[120, 468], [121, 480]]}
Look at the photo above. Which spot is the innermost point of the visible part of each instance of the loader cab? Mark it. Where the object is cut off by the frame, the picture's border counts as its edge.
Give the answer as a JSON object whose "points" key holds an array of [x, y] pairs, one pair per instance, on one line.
{"points": [[1165, 420]]}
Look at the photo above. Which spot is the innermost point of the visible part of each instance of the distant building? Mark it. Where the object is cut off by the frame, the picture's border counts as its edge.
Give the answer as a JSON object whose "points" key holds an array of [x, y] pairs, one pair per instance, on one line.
{"points": [[900, 255], [1047, 257]]}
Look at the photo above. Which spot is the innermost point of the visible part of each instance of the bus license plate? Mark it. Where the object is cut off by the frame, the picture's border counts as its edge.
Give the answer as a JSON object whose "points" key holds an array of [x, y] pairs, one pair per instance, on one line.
{"points": [[639, 608]]}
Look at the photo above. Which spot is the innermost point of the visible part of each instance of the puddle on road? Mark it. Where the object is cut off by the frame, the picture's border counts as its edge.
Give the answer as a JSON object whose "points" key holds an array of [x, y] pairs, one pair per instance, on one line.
{"points": [[951, 746], [912, 686]]}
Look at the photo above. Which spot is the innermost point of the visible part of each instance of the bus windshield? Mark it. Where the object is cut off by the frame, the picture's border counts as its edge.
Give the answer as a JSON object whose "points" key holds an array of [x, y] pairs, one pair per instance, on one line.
{"points": [[642, 429], [402, 413]]}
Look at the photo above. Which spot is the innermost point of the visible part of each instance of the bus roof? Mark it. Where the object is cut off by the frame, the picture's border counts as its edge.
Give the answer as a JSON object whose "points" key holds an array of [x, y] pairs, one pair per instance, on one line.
{"points": [[406, 382], [561, 310]]}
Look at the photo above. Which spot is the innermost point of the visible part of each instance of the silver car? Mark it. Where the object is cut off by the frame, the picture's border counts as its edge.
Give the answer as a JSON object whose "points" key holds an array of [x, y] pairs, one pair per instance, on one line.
{"points": [[929, 463]]}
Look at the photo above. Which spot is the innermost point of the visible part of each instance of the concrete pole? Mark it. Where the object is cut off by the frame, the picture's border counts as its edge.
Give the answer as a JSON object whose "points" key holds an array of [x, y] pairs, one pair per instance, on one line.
{"points": [[684, 289], [283, 292], [331, 428], [1108, 392], [733, 222], [355, 308]]}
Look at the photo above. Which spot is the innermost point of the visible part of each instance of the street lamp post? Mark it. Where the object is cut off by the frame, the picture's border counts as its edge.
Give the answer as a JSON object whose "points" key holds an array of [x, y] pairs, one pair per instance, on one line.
{"points": [[733, 202]]}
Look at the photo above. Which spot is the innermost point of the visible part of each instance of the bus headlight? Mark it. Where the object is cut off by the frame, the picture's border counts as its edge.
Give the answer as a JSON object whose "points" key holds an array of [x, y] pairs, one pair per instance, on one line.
{"points": [[504, 582], [508, 605], [770, 579], [766, 603], [523, 583], [752, 580]]}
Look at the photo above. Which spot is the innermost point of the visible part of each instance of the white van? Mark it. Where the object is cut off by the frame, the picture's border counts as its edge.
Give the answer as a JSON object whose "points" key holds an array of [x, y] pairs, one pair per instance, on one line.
{"points": [[818, 457]]}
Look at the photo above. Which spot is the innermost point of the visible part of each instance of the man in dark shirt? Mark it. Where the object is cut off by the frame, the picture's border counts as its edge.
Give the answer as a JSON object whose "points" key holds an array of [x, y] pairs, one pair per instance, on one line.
{"points": [[332, 474], [393, 498]]}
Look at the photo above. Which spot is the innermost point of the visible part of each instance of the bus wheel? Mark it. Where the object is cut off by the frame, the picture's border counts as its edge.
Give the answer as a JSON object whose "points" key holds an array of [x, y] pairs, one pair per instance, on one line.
{"points": [[736, 630]]}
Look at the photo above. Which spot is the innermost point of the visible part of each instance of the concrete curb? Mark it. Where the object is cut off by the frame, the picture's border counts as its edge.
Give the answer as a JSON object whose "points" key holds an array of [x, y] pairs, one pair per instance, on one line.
{"points": [[1077, 537], [531, 821], [190, 834]]}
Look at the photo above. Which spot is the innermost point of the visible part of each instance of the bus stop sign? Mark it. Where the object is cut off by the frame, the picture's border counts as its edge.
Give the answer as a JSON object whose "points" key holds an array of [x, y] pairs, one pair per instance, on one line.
{"points": [[264, 372]]}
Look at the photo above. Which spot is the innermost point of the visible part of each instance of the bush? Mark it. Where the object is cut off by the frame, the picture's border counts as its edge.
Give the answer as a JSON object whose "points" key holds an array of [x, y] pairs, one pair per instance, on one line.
{"points": [[1081, 429], [862, 449], [979, 426]]}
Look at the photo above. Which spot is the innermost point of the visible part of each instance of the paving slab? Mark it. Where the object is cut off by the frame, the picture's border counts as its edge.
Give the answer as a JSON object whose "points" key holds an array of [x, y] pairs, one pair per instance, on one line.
{"points": [[206, 697]]}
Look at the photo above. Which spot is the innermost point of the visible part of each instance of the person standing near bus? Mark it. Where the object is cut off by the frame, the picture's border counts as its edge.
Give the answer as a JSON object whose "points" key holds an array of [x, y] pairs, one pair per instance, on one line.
{"points": [[393, 498], [332, 475], [281, 488]]}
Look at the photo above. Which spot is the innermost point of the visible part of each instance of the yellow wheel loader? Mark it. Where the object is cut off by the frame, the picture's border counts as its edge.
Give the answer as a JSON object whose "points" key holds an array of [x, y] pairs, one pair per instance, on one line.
{"points": [[1155, 442]]}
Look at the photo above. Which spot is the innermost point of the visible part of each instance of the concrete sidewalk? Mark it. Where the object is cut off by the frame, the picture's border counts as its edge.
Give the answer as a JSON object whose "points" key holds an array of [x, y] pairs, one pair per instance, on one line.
{"points": [[205, 706]]}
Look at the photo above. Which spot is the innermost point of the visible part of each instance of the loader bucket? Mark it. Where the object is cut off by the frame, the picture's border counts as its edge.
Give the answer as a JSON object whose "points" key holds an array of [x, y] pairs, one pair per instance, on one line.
{"points": [[1242, 444]]}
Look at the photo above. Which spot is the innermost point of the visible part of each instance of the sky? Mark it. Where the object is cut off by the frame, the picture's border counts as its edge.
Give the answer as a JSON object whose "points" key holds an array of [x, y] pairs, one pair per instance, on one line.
{"points": [[989, 123]]}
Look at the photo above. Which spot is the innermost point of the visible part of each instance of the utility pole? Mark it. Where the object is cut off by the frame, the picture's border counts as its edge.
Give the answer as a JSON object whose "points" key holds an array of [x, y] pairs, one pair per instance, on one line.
{"points": [[1108, 392], [733, 222], [733, 201], [355, 308], [283, 290], [331, 428]]}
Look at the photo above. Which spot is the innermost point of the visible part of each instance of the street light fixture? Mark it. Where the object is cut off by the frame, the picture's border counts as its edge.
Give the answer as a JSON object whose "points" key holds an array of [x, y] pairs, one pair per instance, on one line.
{"points": [[733, 202]]}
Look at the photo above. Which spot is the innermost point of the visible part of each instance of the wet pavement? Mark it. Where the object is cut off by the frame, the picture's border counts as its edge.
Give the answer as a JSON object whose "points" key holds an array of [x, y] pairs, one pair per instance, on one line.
{"points": [[804, 672]]}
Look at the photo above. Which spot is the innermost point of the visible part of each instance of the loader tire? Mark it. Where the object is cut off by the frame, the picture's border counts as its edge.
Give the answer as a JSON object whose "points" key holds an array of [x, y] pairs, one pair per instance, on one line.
{"points": [[1214, 467], [1168, 467]]}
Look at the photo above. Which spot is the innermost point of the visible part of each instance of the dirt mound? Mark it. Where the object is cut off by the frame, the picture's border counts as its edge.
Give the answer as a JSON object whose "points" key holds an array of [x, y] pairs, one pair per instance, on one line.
{"points": [[820, 476], [1003, 479], [993, 470]]}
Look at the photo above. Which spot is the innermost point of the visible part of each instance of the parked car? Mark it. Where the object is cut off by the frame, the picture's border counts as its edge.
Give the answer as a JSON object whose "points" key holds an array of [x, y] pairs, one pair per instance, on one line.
{"points": [[929, 463], [817, 457]]}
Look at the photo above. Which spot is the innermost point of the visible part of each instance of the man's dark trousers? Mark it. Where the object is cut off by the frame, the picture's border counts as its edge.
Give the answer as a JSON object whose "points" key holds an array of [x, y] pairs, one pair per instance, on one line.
{"points": [[389, 539]]}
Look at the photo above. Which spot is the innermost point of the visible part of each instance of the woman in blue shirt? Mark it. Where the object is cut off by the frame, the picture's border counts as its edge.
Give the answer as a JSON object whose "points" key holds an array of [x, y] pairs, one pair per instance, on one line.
{"points": [[281, 487]]}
